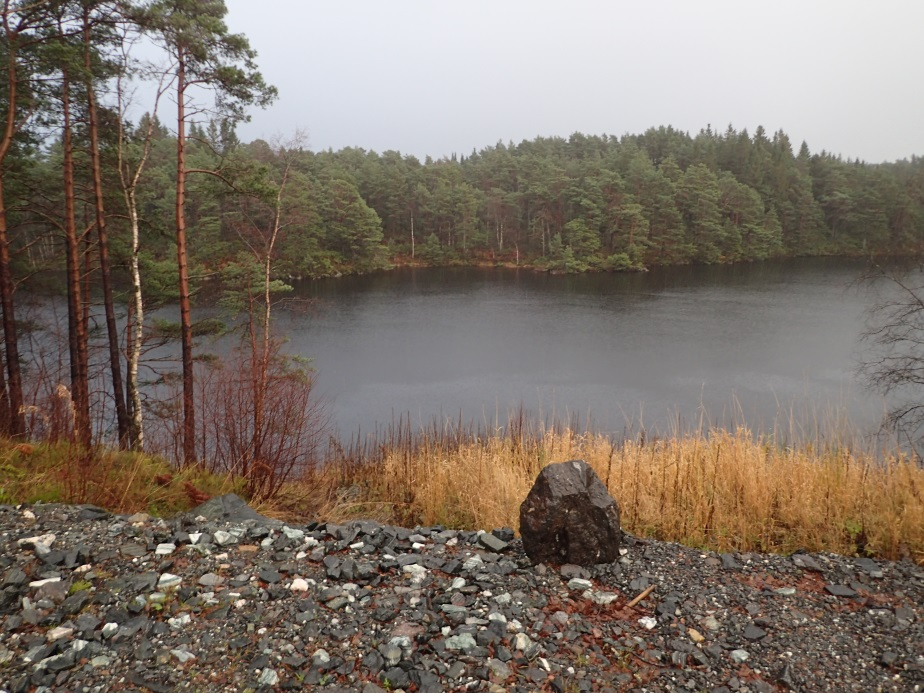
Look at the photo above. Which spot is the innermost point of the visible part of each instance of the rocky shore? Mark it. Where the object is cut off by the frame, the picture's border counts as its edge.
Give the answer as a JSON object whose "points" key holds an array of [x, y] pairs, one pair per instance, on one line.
{"points": [[224, 600]]}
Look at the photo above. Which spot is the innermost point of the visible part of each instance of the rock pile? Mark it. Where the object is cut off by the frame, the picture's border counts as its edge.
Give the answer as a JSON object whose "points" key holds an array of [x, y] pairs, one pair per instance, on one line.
{"points": [[95, 602]]}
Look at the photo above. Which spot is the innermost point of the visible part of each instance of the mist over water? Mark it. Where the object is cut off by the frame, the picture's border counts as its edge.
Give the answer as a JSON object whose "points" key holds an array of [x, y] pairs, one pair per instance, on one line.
{"points": [[770, 345]]}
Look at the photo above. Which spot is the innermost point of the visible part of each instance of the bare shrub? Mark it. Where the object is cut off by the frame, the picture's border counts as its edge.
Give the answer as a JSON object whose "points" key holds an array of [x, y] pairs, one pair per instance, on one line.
{"points": [[269, 447]]}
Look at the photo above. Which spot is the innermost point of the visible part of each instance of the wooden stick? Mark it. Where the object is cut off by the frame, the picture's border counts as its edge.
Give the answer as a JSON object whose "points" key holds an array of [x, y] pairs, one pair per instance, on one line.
{"points": [[648, 590]]}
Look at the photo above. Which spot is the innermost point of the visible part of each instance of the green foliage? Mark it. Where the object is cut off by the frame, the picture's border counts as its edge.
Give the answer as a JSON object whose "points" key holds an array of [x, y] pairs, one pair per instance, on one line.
{"points": [[587, 203], [79, 586]]}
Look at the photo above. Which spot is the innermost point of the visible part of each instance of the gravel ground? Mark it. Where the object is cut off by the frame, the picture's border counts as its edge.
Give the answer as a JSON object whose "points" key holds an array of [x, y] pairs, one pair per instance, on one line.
{"points": [[96, 602]]}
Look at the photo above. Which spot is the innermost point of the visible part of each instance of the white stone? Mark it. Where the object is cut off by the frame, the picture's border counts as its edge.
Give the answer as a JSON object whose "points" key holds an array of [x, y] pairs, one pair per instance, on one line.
{"points": [[194, 537], [58, 633], [100, 661], [473, 563], [602, 598], [579, 584], [320, 658], [268, 677], [46, 581], [647, 622], [179, 622], [292, 533], [299, 585], [169, 580], [417, 572], [109, 629], [165, 549], [43, 540], [183, 655], [457, 583], [521, 641]]}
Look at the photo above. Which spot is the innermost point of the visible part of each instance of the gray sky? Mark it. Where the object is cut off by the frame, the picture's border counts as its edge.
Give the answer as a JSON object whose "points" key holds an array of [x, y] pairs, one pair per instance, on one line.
{"points": [[437, 77]]}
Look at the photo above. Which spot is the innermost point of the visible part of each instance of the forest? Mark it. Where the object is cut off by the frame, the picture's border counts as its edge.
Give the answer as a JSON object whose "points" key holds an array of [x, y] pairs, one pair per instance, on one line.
{"points": [[124, 186]]}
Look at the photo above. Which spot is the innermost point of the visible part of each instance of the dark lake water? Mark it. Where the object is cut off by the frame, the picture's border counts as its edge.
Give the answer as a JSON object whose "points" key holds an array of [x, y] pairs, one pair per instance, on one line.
{"points": [[770, 345]]}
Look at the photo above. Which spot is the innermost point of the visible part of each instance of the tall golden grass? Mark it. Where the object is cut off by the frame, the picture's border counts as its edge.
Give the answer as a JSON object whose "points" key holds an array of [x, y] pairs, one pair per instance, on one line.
{"points": [[719, 489], [715, 489]]}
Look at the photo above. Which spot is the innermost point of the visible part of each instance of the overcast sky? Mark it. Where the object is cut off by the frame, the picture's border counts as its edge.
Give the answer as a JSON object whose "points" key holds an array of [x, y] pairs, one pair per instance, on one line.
{"points": [[436, 77]]}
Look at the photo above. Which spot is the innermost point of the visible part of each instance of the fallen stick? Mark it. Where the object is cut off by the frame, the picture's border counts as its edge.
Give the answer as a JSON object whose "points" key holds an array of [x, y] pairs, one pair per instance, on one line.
{"points": [[648, 590]]}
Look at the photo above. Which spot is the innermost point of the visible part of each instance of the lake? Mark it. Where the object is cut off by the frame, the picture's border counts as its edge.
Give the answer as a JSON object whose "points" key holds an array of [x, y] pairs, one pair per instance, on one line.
{"points": [[771, 345]]}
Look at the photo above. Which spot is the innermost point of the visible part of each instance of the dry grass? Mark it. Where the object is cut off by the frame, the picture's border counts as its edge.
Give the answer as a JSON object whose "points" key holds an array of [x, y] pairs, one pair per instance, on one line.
{"points": [[723, 490], [720, 490]]}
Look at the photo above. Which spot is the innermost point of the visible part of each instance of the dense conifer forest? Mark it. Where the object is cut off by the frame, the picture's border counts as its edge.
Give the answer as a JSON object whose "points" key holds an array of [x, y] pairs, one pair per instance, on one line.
{"points": [[588, 202]]}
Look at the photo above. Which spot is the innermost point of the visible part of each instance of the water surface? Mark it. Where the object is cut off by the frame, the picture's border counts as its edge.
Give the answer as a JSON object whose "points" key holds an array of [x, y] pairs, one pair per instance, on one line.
{"points": [[765, 345]]}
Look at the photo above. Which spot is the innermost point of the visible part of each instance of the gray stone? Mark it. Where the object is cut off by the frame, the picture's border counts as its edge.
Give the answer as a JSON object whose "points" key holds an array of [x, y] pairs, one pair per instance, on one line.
{"points": [[231, 508], [739, 656], [223, 538], [462, 641], [869, 566], [503, 533], [499, 670], [786, 679], [753, 632], [840, 591], [569, 571], [489, 541], [569, 517], [211, 580], [805, 561], [888, 658]]}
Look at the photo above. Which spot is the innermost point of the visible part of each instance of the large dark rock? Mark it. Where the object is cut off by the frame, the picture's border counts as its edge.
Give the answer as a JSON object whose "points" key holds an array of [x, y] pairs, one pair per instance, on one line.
{"points": [[230, 508], [568, 517]]}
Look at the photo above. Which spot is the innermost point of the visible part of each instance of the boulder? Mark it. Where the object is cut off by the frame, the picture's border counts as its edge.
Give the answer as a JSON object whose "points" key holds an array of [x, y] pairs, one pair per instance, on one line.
{"points": [[569, 517]]}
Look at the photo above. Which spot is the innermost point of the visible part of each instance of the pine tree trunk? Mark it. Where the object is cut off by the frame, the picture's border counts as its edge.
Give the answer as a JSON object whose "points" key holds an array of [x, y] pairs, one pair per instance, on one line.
{"points": [[118, 391], [77, 336], [12, 396], [189, 411]]}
